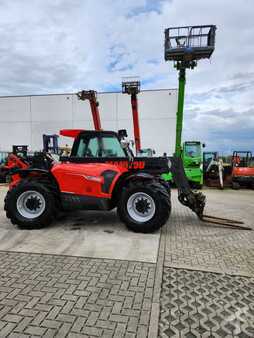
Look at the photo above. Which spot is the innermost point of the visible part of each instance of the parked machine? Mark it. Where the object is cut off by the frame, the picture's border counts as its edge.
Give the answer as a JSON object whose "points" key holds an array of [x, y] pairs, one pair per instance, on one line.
{"points": [[185, 46], [131, 86], [208, 157], [13, 160], [191, 155], [242, 169], [50, 143], [91, 96]]}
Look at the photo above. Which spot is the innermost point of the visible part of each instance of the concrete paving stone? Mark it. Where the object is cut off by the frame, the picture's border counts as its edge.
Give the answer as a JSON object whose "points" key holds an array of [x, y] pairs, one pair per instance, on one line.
{"points": [[8, 302], [12, 318], [119, 318], [105, 324], [142, 331], [35, 330], [92, 331], [107, 333], [77, 335], [18, 335], [78, 324], [51, 324], [44, 313], [37, 319], [120, 330], [130, 335], [64, 330], [23, 324]]}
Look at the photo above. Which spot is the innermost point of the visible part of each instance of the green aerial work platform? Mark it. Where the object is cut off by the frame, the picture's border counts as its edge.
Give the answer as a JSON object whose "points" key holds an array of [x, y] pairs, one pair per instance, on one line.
{"points": [[185, 46]]}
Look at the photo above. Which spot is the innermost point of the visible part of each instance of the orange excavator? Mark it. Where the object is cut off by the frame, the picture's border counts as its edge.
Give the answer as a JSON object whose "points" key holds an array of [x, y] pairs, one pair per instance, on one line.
{"points": [[242, 169]]}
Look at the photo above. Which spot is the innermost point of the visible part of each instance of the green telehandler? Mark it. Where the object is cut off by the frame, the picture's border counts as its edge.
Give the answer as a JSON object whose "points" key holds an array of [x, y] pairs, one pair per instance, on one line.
{"points": [[185, 46], [192, 157]]}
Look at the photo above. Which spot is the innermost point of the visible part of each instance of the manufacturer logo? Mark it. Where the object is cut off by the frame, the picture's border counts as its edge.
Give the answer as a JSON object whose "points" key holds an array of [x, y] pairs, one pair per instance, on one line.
{"points": [[128, 165]]}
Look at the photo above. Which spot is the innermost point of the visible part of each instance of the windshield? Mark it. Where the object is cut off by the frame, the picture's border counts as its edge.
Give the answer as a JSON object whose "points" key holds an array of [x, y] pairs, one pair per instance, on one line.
{"points": [[100, 146], [192, 149]]}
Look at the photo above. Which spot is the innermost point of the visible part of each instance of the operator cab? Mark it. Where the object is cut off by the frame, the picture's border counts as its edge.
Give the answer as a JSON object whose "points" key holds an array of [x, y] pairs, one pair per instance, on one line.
{"points": [[192, 149], [98, 144], [242, 159]]}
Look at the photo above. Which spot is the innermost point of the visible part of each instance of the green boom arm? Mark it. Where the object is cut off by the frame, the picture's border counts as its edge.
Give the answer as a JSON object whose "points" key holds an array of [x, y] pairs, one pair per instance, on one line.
{"points": [[179, 114]]}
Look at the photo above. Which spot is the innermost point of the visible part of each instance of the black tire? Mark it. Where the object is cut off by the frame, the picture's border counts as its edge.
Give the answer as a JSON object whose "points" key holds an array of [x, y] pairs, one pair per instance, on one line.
{"points": [[161, 199], [235, 185], [197, 186], [48, 212]]}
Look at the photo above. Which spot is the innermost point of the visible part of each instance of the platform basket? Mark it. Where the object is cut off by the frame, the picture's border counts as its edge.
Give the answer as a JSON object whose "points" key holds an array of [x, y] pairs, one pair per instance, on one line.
{"points": [[130, 85], [189, 43]]}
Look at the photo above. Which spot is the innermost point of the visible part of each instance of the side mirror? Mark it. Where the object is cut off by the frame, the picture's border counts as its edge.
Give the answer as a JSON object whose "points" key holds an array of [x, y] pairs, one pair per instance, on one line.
{"points": [[122, 133], [203, 145]]}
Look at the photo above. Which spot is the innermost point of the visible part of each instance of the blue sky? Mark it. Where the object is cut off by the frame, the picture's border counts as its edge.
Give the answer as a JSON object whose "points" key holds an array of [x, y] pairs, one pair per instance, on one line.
{"points": [[56, 46]]}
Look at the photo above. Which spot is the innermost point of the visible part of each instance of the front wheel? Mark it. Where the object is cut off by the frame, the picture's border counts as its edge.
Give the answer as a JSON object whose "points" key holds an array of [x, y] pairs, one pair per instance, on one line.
{"points": [[30, 205], [144, 206]]}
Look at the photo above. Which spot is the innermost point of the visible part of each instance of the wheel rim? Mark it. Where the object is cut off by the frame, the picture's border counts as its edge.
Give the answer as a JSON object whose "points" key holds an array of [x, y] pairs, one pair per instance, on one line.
{"points": [[141, 207], [31, 204]]}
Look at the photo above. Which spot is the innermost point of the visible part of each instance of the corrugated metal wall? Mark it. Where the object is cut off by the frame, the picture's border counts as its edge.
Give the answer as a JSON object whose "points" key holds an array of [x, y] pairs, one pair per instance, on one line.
{"points": [[23, 119]]}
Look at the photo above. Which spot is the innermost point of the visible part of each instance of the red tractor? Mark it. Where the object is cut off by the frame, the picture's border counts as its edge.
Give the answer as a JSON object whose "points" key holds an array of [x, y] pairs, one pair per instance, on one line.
{"points": [[100, 174]]}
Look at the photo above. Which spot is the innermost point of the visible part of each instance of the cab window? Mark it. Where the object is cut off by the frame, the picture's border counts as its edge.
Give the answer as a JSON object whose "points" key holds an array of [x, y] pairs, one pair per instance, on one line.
{"points": [[192, 150], [100, 146], [111, 147], [88, 147]]}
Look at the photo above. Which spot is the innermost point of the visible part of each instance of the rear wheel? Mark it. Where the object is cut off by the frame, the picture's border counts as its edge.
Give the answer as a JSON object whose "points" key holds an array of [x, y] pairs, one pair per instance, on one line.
{"points": [[144, 206], [30, 205]]}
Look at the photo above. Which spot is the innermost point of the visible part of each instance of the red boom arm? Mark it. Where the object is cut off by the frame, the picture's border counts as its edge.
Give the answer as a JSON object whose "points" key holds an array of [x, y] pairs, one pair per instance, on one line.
{"points": [[91, 96], [134, 106]]}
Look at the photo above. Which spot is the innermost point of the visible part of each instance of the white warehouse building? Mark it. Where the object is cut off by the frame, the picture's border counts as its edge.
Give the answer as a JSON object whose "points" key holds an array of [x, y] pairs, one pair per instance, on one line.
{"points": [[24, 119]]}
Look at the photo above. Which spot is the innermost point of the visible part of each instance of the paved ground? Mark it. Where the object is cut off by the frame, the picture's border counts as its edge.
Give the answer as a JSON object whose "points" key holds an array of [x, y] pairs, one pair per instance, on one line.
{"points": [[205, 304], [46, 295], [208, 271], [86, 234], [200, 286], [194, 245]]}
